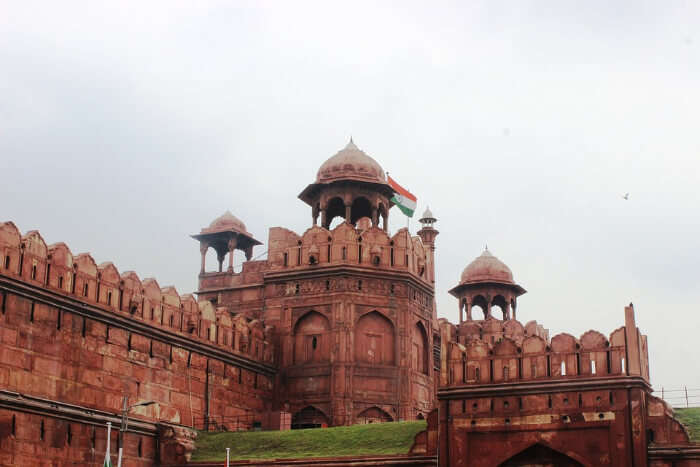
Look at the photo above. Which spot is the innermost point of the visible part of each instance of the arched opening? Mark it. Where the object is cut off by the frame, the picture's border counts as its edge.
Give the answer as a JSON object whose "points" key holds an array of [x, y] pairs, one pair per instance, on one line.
{"points": [[420, 349], [374, 339], [382, 216], [310, 339], [361, 207], [539, 455], [374, 415], [499, 307], [420, 416], [336, 208], [309, 417], [479, 302]]}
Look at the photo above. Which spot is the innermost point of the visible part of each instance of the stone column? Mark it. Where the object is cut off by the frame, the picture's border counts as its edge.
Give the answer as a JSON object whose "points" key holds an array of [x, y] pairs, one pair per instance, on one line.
{"points": [[348, 213], [461, 312], [375, 217], [203, 247], [469, 311], [506, 312], [232, 244], [324, 219], [220, 258], [249, 253]]}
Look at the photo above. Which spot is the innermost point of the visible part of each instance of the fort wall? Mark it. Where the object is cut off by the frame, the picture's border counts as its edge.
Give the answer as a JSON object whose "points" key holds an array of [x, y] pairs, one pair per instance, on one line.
{"points": [[80, 334]]}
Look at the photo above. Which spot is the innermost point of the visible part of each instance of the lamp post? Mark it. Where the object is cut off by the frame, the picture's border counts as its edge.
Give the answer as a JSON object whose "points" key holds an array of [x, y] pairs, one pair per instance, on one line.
{"points": [[125, 423]]}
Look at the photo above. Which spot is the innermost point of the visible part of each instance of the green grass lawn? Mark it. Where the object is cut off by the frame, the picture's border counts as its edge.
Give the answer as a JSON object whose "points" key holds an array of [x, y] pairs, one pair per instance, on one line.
{"points": [[357, 440], [691, 419]]}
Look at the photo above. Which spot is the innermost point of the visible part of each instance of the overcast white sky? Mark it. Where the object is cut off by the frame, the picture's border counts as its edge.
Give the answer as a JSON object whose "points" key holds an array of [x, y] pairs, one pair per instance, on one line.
{"points": [[126, 127]]}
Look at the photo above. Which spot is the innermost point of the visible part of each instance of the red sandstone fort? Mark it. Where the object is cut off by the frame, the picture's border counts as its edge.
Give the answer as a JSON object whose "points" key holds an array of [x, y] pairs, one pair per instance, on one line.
{"points": [[336, 327]]}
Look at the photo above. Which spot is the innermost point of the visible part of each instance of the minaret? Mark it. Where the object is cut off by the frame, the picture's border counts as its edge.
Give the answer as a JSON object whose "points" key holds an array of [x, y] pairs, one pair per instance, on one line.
{"points": [[427, 233]]}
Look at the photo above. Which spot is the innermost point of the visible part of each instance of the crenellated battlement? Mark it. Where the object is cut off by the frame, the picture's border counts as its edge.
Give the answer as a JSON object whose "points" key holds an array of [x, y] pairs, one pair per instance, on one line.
{"points": [[364, 246], [55, 268], [496, 352]]}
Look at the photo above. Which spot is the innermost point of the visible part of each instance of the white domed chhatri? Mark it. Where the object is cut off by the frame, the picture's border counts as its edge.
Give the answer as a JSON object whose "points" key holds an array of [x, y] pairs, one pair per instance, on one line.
{"points": [[351, 163], [487, 268], [226, 221]]}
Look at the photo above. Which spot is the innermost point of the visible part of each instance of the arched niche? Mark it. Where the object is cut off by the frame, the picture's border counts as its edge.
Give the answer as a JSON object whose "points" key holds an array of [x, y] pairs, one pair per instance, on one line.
{"points": [[309, 417], [311, 339], [419, 349], [374, 339], [374, 415]]}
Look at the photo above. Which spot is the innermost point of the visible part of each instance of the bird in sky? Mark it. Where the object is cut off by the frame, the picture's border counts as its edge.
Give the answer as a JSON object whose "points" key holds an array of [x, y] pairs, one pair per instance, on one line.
{"points": [[626, 196]]}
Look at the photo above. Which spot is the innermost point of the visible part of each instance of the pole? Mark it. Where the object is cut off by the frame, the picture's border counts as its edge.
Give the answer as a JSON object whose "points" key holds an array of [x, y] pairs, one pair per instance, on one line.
{"points": [[122, 429], [686, 396], [227, 456], [109, 435]]}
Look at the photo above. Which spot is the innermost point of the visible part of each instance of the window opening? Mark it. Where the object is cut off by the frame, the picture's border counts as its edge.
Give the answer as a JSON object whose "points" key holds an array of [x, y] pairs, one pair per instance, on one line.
{"points": [[563, 368], [85, 289], [592, 367], [33, 271], [286, 259], [60, 282], [109, 298], [623, 365], [7, 262]]}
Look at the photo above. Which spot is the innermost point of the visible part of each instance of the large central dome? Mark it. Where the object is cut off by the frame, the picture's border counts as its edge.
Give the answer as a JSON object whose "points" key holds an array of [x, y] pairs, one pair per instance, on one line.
{"points": [[351, 163], [487, 268]]}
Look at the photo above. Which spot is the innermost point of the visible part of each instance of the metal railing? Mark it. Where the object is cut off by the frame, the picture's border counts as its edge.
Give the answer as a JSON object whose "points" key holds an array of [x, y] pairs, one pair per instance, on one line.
{"points": [[680, 398], [247, 422]]}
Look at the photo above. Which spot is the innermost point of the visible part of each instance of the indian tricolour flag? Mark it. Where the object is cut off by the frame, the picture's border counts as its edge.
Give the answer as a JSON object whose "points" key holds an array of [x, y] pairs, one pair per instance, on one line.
{"points": [[403, 198]]}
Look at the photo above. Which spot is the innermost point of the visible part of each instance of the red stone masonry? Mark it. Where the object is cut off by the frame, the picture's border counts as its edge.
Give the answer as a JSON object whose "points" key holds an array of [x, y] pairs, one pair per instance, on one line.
{"points": [[80, 336]]}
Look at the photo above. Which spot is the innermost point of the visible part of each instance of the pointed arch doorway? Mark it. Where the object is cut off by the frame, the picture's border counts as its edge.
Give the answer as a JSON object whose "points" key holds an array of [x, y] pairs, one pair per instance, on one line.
{"points": [[539, 455]]}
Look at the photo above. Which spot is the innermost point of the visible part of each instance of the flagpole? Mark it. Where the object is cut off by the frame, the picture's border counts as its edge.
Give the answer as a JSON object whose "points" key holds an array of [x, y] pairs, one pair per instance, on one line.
{"points": [[108, 461]]}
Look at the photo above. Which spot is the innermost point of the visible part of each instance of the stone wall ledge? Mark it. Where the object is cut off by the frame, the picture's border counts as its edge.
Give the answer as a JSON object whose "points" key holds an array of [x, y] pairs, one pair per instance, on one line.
{"points": [[359, 461], [73, 413], [674, 452], [109, 318], [522, 388], [112, 319]]}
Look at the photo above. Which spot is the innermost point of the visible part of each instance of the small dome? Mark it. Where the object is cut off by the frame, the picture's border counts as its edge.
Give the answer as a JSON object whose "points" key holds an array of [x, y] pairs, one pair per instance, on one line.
{"points": [[351, 163], [487, 268], [428, 214], [226, 221]]}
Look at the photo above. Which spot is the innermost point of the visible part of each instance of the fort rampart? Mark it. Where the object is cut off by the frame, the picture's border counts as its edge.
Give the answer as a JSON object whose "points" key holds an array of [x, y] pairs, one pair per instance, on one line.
{"points": [[76, 336]]}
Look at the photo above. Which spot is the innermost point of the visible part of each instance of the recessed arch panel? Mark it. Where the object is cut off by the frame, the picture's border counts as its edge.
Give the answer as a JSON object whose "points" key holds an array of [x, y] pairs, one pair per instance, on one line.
{"points": [[374, 339]]}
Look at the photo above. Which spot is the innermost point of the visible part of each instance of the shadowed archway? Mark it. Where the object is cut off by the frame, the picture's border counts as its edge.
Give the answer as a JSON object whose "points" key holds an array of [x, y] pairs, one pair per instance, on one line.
{"points": [[309, 417], [539, 455]]}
